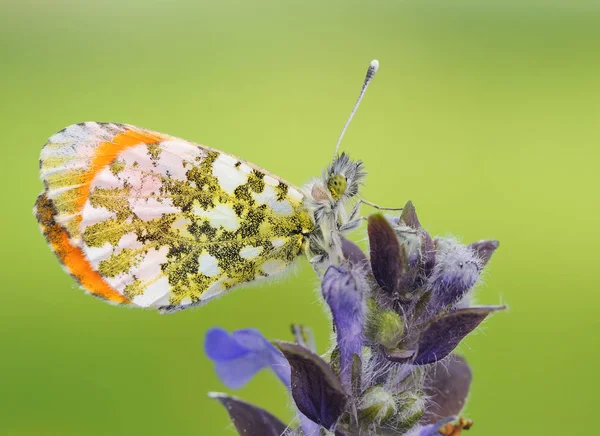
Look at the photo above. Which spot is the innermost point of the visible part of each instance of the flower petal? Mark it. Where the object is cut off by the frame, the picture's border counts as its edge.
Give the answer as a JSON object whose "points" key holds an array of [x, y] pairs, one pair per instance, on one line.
{"points": [[347, 307], [220, 346], [316, 389], [387, 255], [249, 419], [447, 388], [240, 355], [456, 271], [443, 334], [485, 249]]}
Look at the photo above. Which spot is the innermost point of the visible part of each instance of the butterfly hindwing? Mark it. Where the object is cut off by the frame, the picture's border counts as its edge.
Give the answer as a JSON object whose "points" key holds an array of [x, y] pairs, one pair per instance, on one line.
{"points": [[167, 223], [71, 256]]}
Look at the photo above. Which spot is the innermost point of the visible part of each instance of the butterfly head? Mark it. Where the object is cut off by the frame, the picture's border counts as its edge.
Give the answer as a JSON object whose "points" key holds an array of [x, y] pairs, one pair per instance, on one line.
{"points": [[337, 185], [340, 182], [343, 177], [328, 197]]}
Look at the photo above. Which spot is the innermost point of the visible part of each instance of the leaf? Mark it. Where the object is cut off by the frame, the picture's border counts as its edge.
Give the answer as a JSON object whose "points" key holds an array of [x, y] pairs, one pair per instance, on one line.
{"points": [[316, 389], [447, 388], [444, 333], [249, 419]]}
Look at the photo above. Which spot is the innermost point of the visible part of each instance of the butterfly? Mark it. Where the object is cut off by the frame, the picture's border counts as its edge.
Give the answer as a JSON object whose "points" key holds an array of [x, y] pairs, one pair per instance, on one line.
{"points": [[149, 220]]}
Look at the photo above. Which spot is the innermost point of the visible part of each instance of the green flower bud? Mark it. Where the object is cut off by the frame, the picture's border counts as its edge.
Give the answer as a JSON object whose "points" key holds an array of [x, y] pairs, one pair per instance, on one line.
{"points": [[411, 408], [384, 327], [390, 329], [376, 406]]}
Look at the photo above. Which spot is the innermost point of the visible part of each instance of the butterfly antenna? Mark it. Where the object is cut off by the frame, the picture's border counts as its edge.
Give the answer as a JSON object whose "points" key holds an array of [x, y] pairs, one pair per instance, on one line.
{"points": [[373, 67]]}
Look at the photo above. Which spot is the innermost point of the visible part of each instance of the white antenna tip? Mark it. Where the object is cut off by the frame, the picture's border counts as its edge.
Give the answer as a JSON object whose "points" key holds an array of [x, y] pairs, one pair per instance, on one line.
{"points": [[373, 67]]}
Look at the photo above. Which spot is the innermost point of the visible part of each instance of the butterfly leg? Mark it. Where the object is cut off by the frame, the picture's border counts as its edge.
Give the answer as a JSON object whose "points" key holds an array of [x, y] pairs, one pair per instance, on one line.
{"points": [[376, 206], [354, 220]]}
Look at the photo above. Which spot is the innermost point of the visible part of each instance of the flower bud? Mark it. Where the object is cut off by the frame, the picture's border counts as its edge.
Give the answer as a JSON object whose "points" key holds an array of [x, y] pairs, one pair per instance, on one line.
{"points": [[377, 406], [384, 327], [411, 408], [390, 329]]}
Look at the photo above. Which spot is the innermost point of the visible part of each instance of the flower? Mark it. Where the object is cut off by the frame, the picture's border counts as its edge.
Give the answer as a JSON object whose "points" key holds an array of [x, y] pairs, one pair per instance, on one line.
{"points": [[240, 355], [398, 317], [341, 292]]}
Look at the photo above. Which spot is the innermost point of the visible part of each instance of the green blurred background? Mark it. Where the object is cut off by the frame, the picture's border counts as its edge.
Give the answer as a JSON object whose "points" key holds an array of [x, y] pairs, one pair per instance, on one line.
{"points": [[485, 114]]}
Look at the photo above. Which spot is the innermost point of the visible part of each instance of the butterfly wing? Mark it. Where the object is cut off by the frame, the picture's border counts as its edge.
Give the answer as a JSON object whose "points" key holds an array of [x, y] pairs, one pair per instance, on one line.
{"points": [[156, 221]]}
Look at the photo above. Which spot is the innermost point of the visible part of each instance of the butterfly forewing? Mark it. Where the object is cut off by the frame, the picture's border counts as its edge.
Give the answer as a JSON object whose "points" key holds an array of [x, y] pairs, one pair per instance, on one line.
{"points": [[163, 222]]}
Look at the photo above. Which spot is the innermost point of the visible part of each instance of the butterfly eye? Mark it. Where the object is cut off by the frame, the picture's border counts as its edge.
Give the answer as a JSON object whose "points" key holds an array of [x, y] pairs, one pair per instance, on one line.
{"points": [[337, 186]]}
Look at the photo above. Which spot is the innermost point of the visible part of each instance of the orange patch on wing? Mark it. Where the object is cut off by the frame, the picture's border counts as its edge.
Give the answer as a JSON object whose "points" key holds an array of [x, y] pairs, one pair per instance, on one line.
{"points": [[106, 152], [70, 256]]}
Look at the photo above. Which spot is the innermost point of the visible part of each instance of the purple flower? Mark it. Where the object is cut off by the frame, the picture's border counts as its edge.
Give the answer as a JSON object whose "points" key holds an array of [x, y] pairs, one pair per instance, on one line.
{"points": [[397, 317], [456, 271], [238, 357], [425, 288], [346, 302], [241, 354]]}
